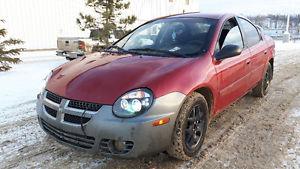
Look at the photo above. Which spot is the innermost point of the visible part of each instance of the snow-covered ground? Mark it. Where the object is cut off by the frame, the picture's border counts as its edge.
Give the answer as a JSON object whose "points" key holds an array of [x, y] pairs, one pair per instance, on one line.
{"points": [[280, 46], [23, 82], [24, 145]]}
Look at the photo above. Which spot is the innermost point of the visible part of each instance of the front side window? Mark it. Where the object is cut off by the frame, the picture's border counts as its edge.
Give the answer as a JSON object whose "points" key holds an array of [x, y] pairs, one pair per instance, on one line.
{"points": [[251, 32], [230, 35], [234, 37], [182, 36]]}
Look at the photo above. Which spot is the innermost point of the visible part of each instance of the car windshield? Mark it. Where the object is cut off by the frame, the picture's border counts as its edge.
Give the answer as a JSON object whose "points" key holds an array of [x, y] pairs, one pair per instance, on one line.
{"points": [[174, 37]]}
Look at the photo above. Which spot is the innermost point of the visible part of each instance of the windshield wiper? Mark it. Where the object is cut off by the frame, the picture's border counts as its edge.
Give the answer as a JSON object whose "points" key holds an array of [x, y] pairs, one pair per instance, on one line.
{"points": [[117, 48], [158, 51]]}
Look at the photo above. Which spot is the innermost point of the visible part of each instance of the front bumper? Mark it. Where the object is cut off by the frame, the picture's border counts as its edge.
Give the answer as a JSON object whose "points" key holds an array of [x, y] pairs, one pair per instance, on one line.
{"points": [[101, 128], [72, 55]]}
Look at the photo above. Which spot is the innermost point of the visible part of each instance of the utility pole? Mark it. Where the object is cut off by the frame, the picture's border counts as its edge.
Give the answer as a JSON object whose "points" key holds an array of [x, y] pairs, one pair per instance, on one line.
{"points": [[286, 34]]}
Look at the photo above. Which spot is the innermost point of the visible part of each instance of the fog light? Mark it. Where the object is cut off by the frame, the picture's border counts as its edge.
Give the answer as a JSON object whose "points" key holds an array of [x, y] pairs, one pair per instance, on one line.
{"points": [[119, 145]]}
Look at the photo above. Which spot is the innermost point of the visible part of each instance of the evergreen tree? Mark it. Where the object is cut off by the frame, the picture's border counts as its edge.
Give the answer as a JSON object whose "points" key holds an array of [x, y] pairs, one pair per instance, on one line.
{"points": [[7, 53], [109, 18]]}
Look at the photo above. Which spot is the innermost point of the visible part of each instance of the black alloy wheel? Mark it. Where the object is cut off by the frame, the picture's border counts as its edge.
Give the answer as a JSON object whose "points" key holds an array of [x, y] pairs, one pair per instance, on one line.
{"points": [[194, 128]]}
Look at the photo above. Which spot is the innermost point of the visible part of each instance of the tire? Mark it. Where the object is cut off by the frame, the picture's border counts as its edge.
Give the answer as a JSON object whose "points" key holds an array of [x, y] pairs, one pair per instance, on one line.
{"points": [[262, 88], [70, 59], [183, 145]]}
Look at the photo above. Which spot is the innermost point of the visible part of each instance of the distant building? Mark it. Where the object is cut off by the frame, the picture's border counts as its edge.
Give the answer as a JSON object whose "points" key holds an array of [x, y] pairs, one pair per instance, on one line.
{"points": [[40, 22]]}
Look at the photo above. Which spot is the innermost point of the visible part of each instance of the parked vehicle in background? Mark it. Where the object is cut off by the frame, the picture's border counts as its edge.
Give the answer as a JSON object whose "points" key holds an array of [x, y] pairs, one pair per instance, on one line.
{"points": [[158, 87], [74, 47]]}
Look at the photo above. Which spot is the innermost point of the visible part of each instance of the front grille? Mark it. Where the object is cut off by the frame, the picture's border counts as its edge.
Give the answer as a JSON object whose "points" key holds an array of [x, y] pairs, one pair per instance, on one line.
{"points": [[84, 105], [51, 111], [75, 119], [82, 141], [107, 147], [74, 103], [53, 97]]}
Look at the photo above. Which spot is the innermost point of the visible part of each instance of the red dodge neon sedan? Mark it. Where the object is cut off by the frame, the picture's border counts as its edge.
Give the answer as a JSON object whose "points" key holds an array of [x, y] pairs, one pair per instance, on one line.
{"points": [[157, 88]]}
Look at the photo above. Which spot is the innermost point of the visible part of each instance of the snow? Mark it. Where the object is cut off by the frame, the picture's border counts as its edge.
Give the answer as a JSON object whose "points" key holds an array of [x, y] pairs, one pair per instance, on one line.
{"points": [[280, 46], [25, 80], [296, 113], [22, 138], [19, 87], [293, 157]]}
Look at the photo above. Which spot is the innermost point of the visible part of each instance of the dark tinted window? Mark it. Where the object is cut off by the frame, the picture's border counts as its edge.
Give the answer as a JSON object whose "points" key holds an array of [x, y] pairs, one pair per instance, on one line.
{"points": [[251, 33], [230, 35], [186, 36]]}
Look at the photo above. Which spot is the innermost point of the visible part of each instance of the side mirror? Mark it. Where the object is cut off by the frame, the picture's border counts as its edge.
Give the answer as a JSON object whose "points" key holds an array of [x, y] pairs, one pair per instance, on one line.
{"points": [[229, 51]]}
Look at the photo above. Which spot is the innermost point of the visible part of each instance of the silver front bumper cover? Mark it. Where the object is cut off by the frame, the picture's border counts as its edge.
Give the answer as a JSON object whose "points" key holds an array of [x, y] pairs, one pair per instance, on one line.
{"points": [[142, 137]]}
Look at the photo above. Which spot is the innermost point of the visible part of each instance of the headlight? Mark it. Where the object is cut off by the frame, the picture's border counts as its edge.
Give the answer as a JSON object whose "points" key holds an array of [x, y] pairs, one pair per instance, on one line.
{"points": [[133, 103]]}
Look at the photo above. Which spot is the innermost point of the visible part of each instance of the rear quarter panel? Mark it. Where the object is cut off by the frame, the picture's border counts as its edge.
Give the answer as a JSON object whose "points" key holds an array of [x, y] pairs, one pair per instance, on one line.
{"points": [[270, 46]]}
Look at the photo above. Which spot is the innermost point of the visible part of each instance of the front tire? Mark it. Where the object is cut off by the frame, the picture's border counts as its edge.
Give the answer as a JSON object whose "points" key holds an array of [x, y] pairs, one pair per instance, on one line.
{"points": [[190, 128], [262, 88]]}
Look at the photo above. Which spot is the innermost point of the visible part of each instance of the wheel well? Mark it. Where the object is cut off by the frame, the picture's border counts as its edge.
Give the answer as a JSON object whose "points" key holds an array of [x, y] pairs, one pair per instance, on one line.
{"points": [[206, 92], [271, 61]]}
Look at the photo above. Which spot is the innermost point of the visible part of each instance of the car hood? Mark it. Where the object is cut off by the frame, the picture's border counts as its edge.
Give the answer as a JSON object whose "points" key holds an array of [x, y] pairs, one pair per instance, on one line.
{"points": [[103, 77]]}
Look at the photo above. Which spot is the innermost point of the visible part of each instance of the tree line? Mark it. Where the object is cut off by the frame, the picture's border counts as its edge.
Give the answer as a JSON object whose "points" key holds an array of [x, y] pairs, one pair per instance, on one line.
{"points": [[276, 21]]}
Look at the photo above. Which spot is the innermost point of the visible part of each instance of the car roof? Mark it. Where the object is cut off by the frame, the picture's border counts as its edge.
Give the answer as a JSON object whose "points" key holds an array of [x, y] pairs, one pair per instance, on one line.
{"points": [[201, 15]]}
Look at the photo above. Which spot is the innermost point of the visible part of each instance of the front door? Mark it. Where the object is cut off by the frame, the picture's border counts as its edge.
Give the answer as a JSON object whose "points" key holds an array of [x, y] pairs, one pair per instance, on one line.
{"points": [[233, 72]]}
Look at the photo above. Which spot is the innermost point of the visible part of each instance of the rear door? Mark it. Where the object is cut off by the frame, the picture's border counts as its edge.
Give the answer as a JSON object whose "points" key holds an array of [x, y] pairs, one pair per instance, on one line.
{"points": [[232, 72], [256, 45]]}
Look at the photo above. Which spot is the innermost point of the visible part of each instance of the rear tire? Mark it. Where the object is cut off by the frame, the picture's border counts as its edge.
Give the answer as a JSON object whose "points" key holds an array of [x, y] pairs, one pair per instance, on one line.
{"points": [[190, 128], [262, 88], [70, 59]]}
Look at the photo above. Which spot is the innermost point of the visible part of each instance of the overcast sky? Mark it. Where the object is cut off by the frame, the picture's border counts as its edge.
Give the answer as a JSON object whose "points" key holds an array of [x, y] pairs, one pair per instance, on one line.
{"points": [[250, 7]]}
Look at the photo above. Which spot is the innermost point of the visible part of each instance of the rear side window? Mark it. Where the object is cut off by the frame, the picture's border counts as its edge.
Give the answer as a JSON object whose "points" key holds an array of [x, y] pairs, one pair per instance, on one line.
{"points": [[250, 31]]}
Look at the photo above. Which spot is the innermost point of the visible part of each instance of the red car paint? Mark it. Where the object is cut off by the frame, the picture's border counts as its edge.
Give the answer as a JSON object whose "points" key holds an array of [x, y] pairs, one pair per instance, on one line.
{"points": [[103, 77]]}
